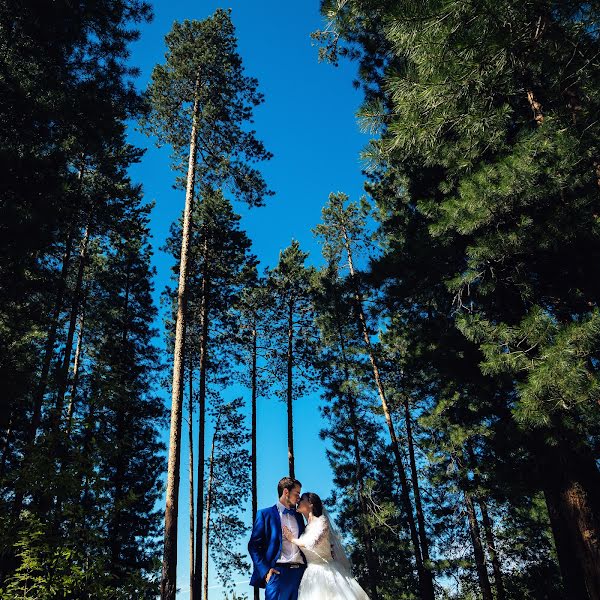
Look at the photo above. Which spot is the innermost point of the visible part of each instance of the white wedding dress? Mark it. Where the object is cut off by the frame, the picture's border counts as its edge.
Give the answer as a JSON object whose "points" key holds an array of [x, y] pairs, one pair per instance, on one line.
{"points": [[326, 578]]}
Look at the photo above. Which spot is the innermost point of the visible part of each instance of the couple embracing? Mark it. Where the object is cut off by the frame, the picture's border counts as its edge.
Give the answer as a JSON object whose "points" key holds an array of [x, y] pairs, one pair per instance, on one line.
{"points": [[296, 552]]}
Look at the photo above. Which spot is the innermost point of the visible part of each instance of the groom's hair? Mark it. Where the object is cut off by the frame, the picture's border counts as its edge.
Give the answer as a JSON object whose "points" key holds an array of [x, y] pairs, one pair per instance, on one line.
{"points": [[287, 483]]}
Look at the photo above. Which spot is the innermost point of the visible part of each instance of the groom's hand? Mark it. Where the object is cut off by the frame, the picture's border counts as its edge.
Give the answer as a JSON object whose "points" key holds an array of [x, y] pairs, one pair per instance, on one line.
{"points": [[271, 571]]}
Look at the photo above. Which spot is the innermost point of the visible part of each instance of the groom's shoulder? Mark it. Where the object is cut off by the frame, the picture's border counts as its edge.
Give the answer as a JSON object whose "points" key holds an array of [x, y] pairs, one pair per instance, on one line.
{"points": [[267, 511]]}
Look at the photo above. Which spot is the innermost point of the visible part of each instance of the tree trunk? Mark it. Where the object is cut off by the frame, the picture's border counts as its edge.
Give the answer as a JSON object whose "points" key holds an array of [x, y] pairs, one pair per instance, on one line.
{"points": [[415, 483], [489, 537], [482, 575], [372, 571], [290, 416], [64, 371], [168, 586], [571, 485], [53, 330], [424, 574], [76, 368], [488, 527], [253, 377], [191, 472], [6, 444], [204, 330], [209, 486]]}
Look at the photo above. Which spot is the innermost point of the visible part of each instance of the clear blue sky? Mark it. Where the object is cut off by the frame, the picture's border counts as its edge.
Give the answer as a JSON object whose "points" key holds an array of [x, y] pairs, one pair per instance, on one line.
{"points": [[308, 123]]}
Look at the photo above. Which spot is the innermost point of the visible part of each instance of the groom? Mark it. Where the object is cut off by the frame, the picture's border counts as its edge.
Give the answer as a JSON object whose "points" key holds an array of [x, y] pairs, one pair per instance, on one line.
{"points": [[278, 564]]}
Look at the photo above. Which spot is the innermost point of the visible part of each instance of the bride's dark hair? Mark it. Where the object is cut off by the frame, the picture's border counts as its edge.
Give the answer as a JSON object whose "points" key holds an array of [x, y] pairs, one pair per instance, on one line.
{"points": [[315, 501]]}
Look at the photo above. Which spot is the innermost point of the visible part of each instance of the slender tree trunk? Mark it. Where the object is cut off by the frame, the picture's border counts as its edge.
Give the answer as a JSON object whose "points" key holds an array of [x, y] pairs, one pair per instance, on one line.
{"points": [[6, 444], [63, 378], [76, 368], [204, 330], [372, 571], [168, 586], [290, 415], [53, 330], [415, 483], [253, 378], [424, 574], [482, 575], [122, 464], [209, 491], [191, 472], [489, 537], [488, 528]]}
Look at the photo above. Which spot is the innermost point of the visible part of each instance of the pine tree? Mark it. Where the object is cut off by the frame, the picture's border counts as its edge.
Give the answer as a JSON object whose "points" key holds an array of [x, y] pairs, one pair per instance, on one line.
{"points": [[343, 231], [227, 486], [200, 100], [487, 119], [222, 268], [292, 332]]}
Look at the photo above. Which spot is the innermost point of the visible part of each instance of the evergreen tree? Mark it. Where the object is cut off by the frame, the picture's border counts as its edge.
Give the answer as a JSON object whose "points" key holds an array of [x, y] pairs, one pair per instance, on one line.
{"points": [[222, 268], [291, 332], [200, 100], [227, 486], [485, 121]]}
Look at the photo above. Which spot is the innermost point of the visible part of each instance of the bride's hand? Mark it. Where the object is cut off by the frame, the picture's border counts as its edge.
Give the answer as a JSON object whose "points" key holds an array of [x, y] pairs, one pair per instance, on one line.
{"points": [[287, 534]]}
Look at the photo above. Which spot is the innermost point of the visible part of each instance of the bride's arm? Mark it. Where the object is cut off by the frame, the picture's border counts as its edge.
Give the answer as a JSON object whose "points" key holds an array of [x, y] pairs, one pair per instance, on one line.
{"points": [[309, 539], [289, 536]]}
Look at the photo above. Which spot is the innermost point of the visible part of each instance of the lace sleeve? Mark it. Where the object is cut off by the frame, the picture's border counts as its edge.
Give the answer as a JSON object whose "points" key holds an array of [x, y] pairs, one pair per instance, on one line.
{"points": [[314, 534]]}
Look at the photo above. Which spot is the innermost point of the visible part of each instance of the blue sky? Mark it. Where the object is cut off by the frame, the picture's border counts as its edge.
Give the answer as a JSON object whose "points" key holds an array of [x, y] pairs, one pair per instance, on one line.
{"points": [[308, 123]]}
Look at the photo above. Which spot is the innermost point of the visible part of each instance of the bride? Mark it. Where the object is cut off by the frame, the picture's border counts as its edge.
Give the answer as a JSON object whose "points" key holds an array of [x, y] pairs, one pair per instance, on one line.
{"points": [[328, 576]]}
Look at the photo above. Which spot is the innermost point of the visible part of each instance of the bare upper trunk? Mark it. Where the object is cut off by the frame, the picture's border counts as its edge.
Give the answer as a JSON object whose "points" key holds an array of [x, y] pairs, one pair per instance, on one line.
{"points": [[209, 492], [191, 471], [372, 571], [253, 377], [76, 369], [168, 587], [204, 330], [290, 416]]}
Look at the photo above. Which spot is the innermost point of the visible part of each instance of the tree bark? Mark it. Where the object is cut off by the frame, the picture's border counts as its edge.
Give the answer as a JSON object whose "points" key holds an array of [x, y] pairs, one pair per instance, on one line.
{"points": [[482, 575], [191, 472], [253, 378], [290, 416], [204, 330], [415, 483], [209, 486], [571, 486], [76, 368], [424, 574], [491, 545], [168, 587], [64, 371], [487, 527]]}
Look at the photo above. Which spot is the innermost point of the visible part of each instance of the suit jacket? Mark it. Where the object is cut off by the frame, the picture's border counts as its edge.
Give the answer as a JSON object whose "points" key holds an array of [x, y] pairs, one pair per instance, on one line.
{"points": [[265, 543]]}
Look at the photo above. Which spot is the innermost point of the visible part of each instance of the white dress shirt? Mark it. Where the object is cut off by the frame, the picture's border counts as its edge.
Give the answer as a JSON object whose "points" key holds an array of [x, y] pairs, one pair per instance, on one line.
{"points": [[290, 553]]}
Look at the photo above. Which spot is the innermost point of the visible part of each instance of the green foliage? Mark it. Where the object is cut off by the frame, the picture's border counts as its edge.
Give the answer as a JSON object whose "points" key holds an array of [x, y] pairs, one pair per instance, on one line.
{"points": [[203, 69], [230, 487], [485, 180]]}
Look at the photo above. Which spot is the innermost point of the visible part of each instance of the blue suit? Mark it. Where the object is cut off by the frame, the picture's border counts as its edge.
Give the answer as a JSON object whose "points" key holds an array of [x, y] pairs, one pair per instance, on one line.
{"points": [[265, 549]]}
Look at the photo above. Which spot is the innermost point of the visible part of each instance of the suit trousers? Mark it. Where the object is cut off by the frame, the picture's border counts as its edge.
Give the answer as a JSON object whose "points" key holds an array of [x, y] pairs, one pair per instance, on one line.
{"points": [[285, 585]]}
